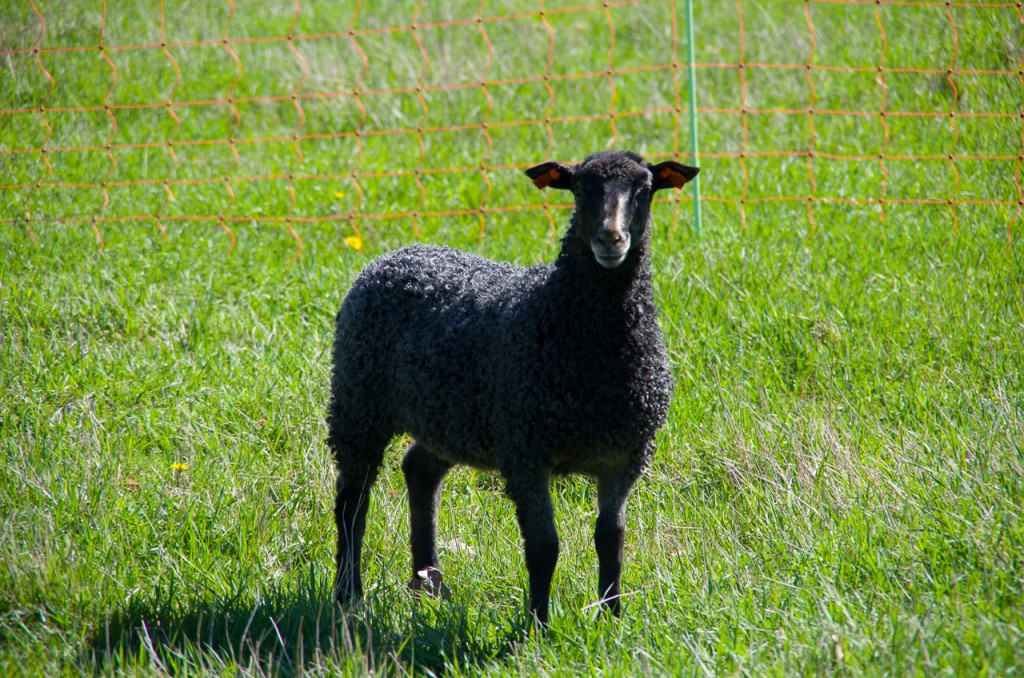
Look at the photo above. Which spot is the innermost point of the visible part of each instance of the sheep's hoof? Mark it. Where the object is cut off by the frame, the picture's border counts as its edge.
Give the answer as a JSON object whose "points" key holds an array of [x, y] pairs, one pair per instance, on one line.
{"points": [[430, 581], [345, 597]]}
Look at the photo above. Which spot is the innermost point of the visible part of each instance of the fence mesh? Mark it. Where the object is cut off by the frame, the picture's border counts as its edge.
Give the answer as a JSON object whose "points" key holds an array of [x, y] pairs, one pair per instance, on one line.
{"points": [[359, 114]]}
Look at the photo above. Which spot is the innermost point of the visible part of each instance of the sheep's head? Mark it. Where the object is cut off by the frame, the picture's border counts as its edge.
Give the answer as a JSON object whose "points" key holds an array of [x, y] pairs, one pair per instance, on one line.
{"points": [[613, 193]]}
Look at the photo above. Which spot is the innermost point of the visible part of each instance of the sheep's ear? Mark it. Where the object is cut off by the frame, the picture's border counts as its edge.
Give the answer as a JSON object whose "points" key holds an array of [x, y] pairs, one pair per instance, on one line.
{"points": [[553, 174], [670, 174]]}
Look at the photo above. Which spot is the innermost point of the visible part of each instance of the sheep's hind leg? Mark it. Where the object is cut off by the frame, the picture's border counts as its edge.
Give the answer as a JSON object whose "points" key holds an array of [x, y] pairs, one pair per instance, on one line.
{"points": [[355, 479], [609, 531], [424, 475]]}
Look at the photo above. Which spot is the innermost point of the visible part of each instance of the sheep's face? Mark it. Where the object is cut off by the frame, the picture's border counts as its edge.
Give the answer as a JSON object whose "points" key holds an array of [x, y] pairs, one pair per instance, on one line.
{"points": [[612, 213], [613, 197]]}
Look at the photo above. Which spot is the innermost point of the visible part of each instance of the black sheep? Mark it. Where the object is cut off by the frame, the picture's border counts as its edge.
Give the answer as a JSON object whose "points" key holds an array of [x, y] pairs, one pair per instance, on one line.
{"points": [[558, 368]]}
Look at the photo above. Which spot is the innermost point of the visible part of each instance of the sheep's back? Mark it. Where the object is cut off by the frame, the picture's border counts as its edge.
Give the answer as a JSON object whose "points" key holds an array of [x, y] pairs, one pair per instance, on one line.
{"points": [[469, 356], [414, 342]]}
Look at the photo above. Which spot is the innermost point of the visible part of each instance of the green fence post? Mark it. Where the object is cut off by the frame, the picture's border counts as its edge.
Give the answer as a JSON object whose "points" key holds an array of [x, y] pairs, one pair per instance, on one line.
{"points": [[694, 147]]}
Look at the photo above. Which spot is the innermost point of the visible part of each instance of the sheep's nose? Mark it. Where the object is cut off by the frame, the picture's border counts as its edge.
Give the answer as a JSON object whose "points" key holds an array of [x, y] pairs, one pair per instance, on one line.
{"points": [[610, 246], [610, 238]]}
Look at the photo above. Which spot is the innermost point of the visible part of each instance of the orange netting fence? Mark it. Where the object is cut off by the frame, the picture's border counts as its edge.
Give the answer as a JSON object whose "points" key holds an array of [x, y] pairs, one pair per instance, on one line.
{"points": [[304, 112]]}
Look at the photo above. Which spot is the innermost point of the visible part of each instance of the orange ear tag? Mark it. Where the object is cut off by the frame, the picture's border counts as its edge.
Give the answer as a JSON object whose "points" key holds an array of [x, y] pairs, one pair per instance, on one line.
{"points": [[675, 178], [544, 180]]}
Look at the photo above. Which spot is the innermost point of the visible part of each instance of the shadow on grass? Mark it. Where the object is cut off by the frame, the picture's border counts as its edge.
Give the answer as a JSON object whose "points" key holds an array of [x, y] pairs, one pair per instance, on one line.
{"points": [[297, 631]]}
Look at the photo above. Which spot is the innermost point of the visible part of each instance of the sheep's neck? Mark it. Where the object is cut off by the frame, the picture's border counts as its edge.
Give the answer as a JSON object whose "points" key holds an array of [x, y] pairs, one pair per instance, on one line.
{"points": [[623, 294]]}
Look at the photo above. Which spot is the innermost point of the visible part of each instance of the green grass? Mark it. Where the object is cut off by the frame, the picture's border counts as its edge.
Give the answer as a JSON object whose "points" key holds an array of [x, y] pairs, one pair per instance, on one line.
{"points": [[840, 485]]}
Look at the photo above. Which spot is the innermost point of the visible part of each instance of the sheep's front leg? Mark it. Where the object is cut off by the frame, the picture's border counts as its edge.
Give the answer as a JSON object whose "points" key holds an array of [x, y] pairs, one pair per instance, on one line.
{"points": [[609, 532], [424, 475], [532, 497]]}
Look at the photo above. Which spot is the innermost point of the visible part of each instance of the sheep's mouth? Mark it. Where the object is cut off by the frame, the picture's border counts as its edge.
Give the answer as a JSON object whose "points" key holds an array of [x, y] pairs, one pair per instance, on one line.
{"points": [[610, 260]]}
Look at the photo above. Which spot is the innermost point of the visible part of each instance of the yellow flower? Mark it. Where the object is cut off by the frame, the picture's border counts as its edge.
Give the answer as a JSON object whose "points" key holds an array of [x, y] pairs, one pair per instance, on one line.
{"points": [[355, 242], [178, 466], [339, 195]]}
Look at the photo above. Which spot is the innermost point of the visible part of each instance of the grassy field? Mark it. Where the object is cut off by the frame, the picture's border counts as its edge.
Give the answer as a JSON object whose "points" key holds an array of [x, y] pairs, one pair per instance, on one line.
{"points": [[839, 488]]}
